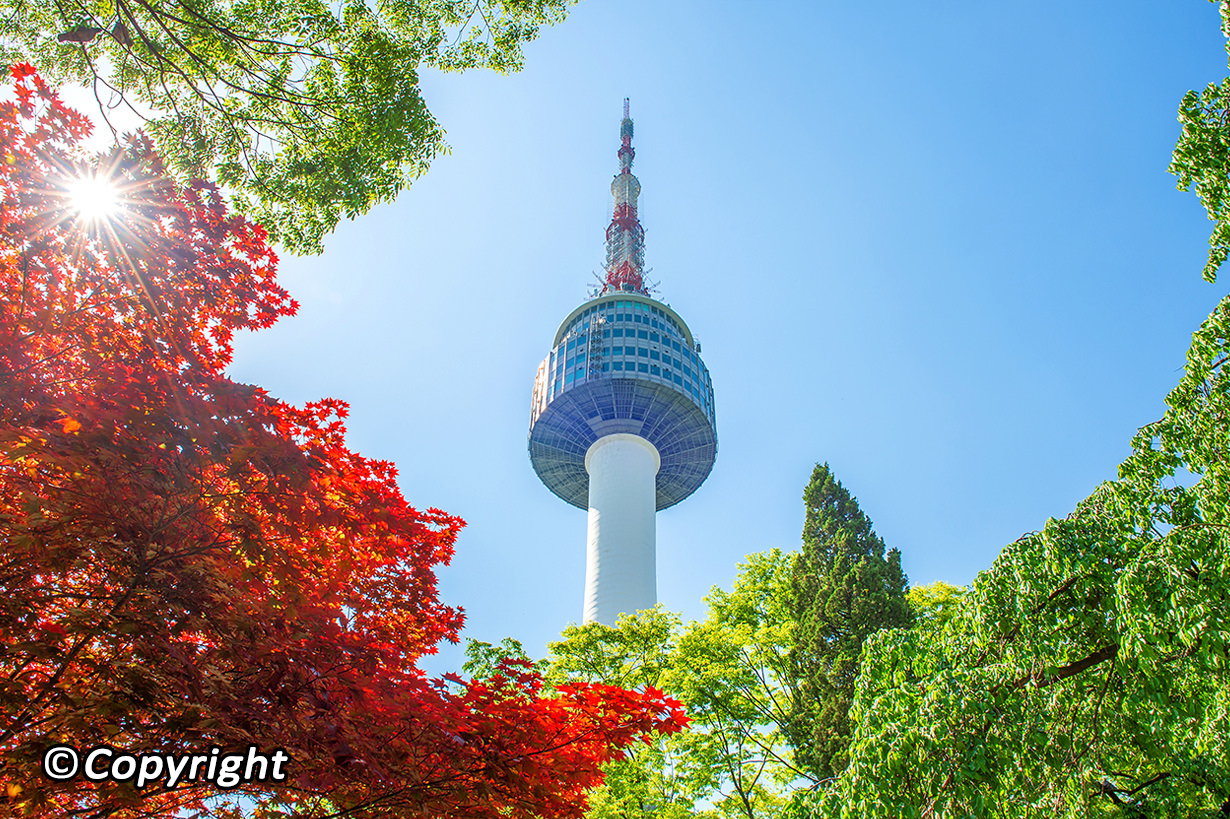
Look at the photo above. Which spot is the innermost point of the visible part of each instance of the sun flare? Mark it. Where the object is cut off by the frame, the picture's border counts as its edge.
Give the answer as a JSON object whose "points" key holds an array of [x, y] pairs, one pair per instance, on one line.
{"points": [[95, 198]]}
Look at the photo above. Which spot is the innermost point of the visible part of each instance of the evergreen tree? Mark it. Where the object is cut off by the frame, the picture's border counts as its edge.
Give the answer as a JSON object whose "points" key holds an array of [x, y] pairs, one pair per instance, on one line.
{"points": [[846, 586]]}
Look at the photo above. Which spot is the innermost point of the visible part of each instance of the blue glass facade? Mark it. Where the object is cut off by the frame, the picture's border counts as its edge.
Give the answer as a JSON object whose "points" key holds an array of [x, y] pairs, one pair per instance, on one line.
{"points": [[623, 362]]}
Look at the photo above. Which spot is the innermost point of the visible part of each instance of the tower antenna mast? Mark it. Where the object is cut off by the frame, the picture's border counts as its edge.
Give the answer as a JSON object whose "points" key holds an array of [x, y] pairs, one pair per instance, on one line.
{"points": [[625, 238]]}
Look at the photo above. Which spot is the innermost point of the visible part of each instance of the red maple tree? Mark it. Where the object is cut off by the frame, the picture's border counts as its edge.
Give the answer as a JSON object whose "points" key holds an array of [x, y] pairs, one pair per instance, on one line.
{"points": [[186, 562]]}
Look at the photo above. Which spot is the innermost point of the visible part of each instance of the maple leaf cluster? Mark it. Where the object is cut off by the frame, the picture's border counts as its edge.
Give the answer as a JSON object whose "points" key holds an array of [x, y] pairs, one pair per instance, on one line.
{"points": [[187, 562]]}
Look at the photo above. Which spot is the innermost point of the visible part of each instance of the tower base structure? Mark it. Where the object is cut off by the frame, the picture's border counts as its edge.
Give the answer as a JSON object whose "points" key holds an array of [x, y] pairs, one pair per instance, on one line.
{"points": [[621, 555]]}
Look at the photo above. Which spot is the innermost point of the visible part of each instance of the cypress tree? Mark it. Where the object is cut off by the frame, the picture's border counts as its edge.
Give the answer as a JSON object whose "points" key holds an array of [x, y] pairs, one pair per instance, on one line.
{"points": [[845, 587]]}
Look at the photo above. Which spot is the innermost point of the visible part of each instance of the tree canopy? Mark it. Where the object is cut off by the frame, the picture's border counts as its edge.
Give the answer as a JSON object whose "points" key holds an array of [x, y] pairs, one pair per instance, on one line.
{"points": [[303, 111], [732, 761], [187, 562]]}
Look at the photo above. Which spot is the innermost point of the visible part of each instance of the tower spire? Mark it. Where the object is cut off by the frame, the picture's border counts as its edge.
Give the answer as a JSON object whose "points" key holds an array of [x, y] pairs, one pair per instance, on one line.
{"points": [[625, 238]]}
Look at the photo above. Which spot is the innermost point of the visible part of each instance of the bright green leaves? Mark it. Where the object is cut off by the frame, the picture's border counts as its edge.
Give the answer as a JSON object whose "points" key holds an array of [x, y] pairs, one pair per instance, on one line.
{"points": [[663, 778], [730, 672], [935, 603], [737, 686], [635, 654], [1086, 672], [1201, 158], [1202, 163], [304, 112], [484, 660]]}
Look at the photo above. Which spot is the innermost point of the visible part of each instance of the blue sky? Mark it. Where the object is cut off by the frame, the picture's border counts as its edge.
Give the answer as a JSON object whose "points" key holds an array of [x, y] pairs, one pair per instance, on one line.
{"points": [[933, 244]]}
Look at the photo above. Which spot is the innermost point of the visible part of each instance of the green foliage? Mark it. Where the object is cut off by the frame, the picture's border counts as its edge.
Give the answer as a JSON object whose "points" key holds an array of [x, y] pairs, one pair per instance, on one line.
{"points": [[730, 672], [636, 653], [304, 111], [1201, 158], [735, 684], [934, 604], [664, 779], [845, 588], [1087, 672], [484, 660]]}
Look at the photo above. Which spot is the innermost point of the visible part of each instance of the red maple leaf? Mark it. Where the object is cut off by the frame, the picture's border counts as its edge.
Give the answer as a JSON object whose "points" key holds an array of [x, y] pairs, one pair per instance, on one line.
{"points": [[189, 562]]}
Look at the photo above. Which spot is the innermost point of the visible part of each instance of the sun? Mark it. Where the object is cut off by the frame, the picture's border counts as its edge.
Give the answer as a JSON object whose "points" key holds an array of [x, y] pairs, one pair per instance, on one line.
{"points": [[94, 198]]}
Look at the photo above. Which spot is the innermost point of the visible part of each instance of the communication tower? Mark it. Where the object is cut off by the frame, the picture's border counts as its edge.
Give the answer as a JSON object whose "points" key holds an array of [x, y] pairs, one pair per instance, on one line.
{"points": [[622, 422]]}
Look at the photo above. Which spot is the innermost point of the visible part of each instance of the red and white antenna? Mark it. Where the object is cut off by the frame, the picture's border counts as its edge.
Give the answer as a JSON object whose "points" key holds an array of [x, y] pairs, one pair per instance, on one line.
{"points": [[625, 238]]}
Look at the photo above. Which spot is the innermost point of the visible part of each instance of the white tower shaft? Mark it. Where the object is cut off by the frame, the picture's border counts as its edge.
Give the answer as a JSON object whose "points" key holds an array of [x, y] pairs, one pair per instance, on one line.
{"points": [[621, 558]]}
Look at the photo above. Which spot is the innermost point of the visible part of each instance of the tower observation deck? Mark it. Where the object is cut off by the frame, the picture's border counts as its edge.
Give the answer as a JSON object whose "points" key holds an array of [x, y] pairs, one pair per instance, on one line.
{"points": [[622, 420]]}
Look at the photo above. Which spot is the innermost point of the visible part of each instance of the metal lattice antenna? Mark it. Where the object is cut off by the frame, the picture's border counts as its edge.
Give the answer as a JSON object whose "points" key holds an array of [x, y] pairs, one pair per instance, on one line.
{"points": [[625, 238]]}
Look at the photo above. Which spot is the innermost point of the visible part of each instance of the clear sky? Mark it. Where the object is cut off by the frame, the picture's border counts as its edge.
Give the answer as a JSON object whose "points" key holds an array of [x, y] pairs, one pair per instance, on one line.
{"points": [[934, 244]]}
